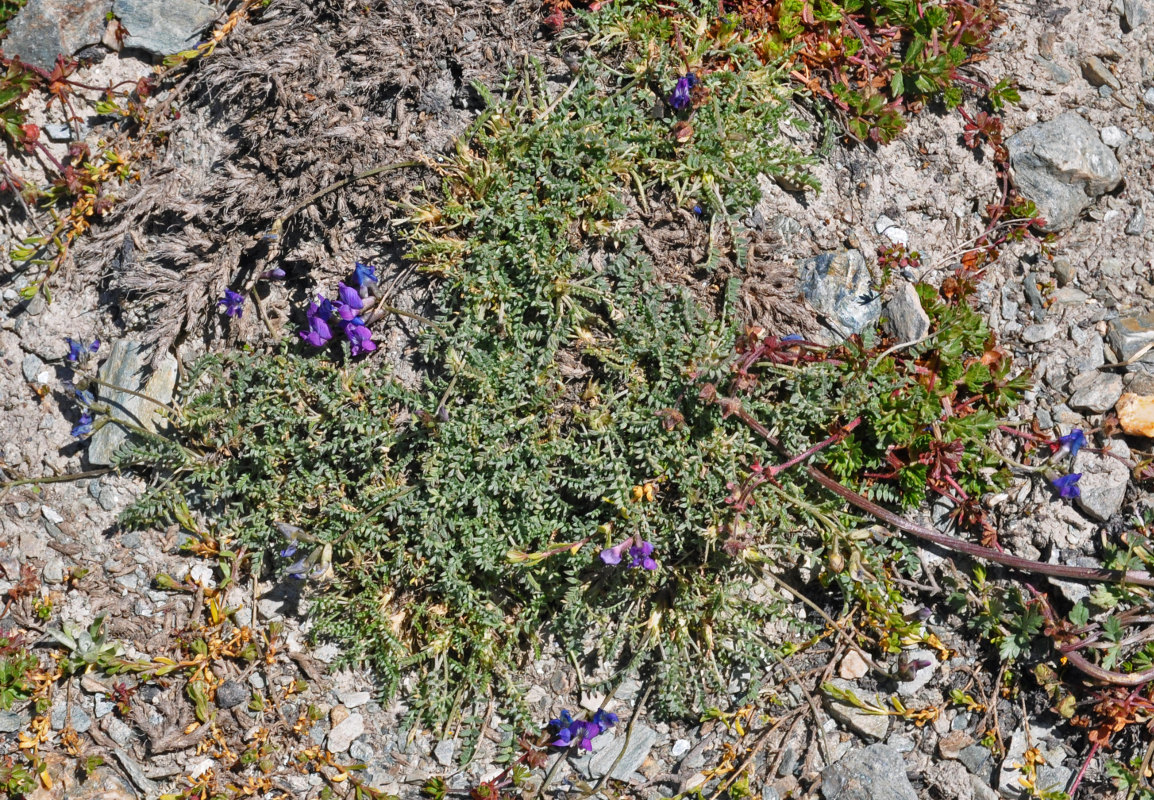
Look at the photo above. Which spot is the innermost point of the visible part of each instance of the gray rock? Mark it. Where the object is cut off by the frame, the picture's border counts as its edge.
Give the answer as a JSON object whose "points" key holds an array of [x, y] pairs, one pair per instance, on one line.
{"points": [[230, 694], [948, 779], [837, 285], [119, 731], [125, 367], [977, 759], [44, 29], [342, 735], [361, 751], [876, 772], [608, 746], [1050, 776], [1062, 165], [163, 27], [14, 721], [136, 774], [1113, 136], [30, 367], [922, 676], [907, 321], [79, 718], [1134, 13], [981, 790], [1033, 334], [1103, 484], [680, 748], [1148, 101], [874, 726], [443, 752], [355, 699], [1136, 225], [1064, 271], [1130, 334], [1100, 395], [1098, 74]]}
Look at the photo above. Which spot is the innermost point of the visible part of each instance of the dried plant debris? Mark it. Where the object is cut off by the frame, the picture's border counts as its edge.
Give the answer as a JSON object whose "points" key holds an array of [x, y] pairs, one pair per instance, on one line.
{"points": [[305, 95]]}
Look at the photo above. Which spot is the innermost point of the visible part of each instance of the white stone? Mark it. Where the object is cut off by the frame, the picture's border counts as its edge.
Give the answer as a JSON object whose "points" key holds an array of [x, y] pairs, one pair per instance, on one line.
{"points": [[680, 748], [342, 735], [52, 515], [355, 699], [1113, 136]]}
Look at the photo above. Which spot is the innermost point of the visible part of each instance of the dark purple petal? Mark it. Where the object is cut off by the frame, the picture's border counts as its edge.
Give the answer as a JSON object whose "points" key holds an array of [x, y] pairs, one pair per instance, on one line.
{"points": [[74, 349], [233, 303], [681, 92], [364, 275], [1070, 444]]}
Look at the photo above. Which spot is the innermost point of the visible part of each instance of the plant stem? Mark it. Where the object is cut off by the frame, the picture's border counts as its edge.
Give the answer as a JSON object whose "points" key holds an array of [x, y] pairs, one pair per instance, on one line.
{"points": [[930, 535]]}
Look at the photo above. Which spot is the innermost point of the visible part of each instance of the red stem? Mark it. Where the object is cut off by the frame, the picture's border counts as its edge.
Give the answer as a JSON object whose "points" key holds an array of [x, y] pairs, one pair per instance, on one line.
{"points": [[930, 535]]}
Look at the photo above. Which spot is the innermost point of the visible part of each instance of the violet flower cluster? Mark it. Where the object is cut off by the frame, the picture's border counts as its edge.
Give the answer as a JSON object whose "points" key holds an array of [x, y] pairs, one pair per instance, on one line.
{"points": [[569, 730], [324, 315], [640, 551], [681, 92], [84, 426], [80, 351], [1068, 445], [233, 303]]}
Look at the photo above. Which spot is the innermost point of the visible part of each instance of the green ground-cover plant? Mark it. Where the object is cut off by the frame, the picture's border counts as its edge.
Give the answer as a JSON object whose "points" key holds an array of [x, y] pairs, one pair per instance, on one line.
{"points": [[454, 525]]}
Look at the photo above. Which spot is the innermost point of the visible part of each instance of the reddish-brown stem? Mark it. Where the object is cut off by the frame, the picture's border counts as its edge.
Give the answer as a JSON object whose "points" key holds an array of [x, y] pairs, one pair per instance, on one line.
{"points": [[930, 535], [793, 462]]}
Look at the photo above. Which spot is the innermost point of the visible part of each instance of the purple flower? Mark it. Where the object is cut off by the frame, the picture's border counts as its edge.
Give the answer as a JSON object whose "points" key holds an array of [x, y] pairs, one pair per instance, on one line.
{"points": [[603, 720], [364, 277], [233, 303], [612, 555], [79, 351], [85, 397], [680, 97], [84, 427], [1070, 444], [275, 274], [289, 550], [360, 337], [318, 314], [642, 552], [793, 337], [1067, 485], [566, 728]]}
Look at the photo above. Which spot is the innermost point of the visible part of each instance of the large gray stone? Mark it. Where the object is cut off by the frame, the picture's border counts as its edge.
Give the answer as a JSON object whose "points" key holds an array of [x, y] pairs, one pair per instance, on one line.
{"points": [[44, 29], [1130, 334], [125, 367], [608, 746], [1050, 776], [163, 27], [1099, 395], [876, 772], [1061, 165], [1102, 485], [837, 285], [860, 721], [907, 321]]}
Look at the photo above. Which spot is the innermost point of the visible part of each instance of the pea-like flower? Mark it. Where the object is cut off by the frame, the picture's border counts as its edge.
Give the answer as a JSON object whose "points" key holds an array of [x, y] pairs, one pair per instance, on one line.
{"points": [[569, 730], [233, 303], [364, 278], [642, 553], [360, 337], [681, 92], [318, 314], [1067, 485], [350, 302], [1070, 444], [84, 426], [80, 351]]}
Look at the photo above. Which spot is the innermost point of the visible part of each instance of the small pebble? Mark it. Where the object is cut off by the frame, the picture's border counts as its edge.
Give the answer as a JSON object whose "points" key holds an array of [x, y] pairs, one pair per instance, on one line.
{"points": [[1113, 136], [1137, 223], [52, 515], [680, 748]]}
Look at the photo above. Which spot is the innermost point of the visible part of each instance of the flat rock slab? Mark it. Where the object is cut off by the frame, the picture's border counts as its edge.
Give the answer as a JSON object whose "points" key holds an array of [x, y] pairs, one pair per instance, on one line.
{"points": [[125, 367], [1062, 165], [45, 29], [163, 27], [1128, 335], [837, 285], [1103, 484], [608, 746], [876, 772], [860, 721]]}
